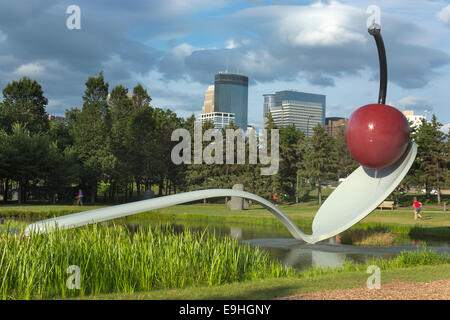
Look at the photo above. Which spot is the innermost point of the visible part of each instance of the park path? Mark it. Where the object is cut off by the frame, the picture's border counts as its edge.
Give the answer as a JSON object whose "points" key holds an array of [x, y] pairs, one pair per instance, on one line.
{"points": [[397, 290]]}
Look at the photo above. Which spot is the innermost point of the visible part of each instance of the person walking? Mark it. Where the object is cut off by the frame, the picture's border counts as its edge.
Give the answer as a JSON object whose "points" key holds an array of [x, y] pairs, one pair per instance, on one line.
{"points": [[80, 198], [417, 205], [275, 198]]}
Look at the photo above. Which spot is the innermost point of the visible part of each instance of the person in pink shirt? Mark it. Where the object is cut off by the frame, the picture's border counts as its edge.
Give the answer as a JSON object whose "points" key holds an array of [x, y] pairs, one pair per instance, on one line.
{"points": [[80, 198], [417, 205]]}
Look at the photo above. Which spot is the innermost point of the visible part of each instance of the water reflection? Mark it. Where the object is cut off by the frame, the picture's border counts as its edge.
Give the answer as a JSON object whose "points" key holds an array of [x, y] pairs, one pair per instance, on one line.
{"points": [[277, 241]]}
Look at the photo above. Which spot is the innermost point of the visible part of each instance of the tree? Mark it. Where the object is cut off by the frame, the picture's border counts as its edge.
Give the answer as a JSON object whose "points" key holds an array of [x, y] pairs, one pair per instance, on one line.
{"points": [[24, 103], [92, 128], [24, 156], [345, 162], [432, 156], [290, 137], [61, 169], [320, 163]]}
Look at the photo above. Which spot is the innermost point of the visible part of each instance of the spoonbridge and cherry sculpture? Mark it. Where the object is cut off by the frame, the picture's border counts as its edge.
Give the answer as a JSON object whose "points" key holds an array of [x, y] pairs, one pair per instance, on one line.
{"points": [[377, 136]]}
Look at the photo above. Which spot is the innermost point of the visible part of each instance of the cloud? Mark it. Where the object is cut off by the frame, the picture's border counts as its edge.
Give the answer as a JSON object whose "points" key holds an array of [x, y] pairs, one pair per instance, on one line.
{"points": [[414, 103], [34, 69], [320, 43], [445, 128], [444, 15], [183, 44], [320, 25]]}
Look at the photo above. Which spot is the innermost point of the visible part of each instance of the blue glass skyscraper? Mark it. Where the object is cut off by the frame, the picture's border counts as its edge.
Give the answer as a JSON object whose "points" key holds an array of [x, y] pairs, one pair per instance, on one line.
{"points": [[231, 96]]}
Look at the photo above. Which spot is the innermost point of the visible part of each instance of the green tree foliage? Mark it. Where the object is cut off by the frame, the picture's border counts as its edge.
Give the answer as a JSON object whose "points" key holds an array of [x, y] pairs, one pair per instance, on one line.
{"points": [[91, 131], [345, 164], [320, 159], [431, 170], [24, 103], [24, 156]]}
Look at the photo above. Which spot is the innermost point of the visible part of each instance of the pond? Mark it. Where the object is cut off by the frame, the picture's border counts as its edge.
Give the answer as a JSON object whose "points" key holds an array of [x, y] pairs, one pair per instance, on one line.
{"points": [[278, 242], [280, 245]]}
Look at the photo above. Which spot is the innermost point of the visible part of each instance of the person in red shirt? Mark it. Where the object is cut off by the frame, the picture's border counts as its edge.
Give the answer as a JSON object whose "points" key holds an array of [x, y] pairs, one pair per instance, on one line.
{"points": [[417, 205], [79, 198], [275, 197]]}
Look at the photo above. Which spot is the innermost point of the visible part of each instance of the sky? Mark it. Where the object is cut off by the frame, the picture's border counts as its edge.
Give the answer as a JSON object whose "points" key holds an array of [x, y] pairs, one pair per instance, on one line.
{"points": [[175, 47]]}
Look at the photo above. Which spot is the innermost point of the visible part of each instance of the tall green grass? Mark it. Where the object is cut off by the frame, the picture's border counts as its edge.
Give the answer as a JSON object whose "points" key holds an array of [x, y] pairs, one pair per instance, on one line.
{"points": [[113, 260]]}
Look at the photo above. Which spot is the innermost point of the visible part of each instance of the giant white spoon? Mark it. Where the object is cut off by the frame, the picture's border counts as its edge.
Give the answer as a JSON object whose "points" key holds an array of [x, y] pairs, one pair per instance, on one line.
{"points": [[350, 202]]}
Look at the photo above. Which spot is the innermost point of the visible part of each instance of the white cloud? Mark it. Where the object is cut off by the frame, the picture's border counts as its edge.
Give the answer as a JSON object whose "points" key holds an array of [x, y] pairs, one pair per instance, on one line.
{"points": [[414, 103], [320, 26], [444, 15], [33, 69], [183, 50], [445, 128]]}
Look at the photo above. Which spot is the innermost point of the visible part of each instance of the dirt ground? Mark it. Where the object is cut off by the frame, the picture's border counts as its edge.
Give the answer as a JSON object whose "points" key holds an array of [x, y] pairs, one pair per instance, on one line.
{"points": [[433, 290]]}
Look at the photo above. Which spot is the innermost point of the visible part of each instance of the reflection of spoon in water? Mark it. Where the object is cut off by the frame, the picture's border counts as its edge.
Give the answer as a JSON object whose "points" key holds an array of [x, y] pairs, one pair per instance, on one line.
{"points": [[386, 152]]}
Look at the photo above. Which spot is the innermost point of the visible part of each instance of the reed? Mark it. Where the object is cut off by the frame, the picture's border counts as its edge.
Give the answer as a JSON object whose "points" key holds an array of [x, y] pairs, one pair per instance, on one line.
{"points": [[114, 259], [368, 237]]}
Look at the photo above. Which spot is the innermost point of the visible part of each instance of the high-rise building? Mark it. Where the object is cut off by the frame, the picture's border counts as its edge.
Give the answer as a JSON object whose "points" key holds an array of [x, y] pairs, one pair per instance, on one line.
{"points": [[208, 105], [231, 96], [414, 120], [220, 119], [333, 124], [304, 110], [269, 102]]}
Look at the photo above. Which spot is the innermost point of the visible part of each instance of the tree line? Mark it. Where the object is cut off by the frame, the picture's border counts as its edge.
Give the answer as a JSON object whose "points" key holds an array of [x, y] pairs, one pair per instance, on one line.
{"points": [[118, 145]]}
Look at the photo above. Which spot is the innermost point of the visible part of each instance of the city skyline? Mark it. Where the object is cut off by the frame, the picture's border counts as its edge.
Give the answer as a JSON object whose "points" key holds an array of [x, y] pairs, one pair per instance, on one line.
{"points": [[173, 48]]}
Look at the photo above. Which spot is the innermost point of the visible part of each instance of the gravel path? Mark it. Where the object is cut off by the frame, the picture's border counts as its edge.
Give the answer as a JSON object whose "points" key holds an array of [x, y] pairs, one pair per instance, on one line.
{"points": [[397, 290]]}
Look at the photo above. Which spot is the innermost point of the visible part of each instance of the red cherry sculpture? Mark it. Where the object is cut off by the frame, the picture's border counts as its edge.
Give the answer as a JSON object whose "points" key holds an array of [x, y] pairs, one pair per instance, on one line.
{"points": [[377, 135]]}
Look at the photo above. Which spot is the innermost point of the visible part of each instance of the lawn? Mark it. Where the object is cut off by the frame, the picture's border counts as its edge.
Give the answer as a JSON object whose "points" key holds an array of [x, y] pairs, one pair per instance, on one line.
{"points": [[281, 287], [400, 220]]}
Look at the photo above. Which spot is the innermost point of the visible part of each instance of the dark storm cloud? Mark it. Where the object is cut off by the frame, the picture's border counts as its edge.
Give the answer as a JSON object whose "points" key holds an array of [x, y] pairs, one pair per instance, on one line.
{"points": [[36, 34]]}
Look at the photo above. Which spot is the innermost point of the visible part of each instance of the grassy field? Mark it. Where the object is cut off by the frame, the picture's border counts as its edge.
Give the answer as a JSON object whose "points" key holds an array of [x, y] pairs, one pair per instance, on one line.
{"points": [[281, 287]]}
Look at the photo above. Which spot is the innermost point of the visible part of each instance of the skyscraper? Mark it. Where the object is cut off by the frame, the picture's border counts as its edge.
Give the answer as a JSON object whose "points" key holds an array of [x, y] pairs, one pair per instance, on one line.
{"points": [[231, 96], [304, 110], [208, 105]]}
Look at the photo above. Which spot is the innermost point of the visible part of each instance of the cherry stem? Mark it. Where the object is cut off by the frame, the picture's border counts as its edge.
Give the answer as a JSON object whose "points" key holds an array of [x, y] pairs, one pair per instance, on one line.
{"points": [[375, 31]]}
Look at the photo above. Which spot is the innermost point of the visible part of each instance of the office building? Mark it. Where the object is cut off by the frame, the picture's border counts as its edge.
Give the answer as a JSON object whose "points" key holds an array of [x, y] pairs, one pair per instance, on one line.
{"points": [[269, 102], [333, 124], [301, 109], [220, 119], [208, 104], [226, 101], [231, 96], [414, 120]]}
